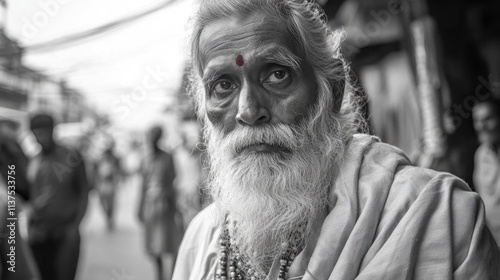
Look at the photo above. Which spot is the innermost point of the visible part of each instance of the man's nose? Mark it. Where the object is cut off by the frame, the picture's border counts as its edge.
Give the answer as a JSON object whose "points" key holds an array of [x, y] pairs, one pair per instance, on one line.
{"points": [[252, 109]]}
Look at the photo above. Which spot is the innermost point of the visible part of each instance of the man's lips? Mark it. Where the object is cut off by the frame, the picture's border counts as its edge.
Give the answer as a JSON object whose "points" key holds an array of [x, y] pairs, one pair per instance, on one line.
{"points": [[264, 148]]}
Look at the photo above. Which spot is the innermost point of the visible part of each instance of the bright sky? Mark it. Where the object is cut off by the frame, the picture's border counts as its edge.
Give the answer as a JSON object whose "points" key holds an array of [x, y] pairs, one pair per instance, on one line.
{"points": [[141, 60]]}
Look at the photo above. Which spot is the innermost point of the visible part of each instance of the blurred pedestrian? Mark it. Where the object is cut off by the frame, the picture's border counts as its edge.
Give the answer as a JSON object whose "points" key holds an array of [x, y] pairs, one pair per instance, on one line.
{"points": [[486, 117], [107, 178], [12, 151], [13, 182], [15, 264], [59, 193], [157, 209]]}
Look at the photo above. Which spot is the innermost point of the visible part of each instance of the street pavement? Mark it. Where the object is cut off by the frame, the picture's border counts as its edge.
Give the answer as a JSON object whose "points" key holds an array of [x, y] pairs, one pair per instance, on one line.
{"points": [[117, 255]]}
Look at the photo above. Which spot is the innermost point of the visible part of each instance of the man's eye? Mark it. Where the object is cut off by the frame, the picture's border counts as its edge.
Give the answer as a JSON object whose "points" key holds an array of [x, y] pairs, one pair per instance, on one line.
{"points": [[223, 87], [278, 76]]}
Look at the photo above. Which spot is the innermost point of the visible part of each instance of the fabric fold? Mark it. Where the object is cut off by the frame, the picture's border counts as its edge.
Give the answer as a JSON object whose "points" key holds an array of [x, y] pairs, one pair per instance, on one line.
{"points": [[386, 220]]}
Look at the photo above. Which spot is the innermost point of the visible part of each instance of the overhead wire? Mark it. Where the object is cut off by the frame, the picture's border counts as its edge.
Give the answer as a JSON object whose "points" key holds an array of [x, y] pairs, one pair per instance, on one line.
{"points": [[127, 89], [71, 39], [81, 37]]}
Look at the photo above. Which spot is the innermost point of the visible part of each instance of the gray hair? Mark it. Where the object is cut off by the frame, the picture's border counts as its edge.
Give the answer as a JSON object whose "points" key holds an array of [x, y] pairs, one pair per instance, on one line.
{"points": [[307, 25]]}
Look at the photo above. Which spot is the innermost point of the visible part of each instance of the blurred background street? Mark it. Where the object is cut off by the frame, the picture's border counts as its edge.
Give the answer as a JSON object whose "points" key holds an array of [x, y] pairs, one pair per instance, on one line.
{"points": [[97, 91], [107, 255]]}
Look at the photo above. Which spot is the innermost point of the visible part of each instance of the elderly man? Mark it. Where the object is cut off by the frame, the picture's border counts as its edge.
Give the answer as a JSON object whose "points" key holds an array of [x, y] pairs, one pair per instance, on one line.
{"points": [[486, 117], [297, 194]]}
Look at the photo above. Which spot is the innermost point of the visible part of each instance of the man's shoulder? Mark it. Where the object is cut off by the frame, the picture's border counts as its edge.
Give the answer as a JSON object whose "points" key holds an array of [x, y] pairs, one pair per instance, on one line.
{"points": [[410, 213], [385, 181], [366, 157], [364, 149], [377, 168], [372, 143]]}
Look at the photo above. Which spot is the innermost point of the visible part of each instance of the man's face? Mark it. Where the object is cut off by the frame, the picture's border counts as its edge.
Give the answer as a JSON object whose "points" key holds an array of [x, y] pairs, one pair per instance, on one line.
{"points": [[487, 124], [44, 137], [250, 79], [260, 93]]}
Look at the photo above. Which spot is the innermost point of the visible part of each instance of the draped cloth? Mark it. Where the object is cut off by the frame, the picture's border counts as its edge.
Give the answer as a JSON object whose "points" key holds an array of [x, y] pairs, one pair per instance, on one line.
{"points": [[386, 220]]}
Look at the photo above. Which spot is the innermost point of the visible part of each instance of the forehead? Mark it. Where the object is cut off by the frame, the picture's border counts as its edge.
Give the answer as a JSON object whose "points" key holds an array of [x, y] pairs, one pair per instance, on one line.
{"points": [[252, 35]]}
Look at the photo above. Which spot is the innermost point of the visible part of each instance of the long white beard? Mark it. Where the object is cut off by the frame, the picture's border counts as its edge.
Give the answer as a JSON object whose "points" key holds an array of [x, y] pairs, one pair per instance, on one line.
{"points": [[270, 195]]}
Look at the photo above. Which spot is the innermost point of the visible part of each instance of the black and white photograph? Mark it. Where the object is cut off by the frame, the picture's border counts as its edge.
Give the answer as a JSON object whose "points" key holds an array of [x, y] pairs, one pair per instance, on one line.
{"points": [[249, 140]]}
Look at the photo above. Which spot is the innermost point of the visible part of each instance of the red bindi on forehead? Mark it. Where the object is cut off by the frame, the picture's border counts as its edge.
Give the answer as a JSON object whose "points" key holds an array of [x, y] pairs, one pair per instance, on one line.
{"points": [[239, 60]]}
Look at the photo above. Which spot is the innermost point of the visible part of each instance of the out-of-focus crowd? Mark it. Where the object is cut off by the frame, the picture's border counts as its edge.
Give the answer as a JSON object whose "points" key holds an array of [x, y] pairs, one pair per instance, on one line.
{"points": [[45, 195]]}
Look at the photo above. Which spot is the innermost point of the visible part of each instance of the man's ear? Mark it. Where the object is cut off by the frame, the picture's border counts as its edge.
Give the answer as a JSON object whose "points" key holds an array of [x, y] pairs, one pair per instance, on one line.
{"points": [[338, 90]]}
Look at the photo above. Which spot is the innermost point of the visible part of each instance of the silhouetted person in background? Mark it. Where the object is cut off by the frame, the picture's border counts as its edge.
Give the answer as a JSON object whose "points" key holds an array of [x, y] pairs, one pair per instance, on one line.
{"points": [[157, 210], [13, 163], [11, 150], [107, 177], [486, 117], [59, 193]]}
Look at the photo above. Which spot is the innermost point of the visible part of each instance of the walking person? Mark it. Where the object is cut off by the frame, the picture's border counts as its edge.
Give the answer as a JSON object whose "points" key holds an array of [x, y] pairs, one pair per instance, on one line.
{"points": [[486, 116], [108, 175], [14, 187], [157, 209], [58, 197]]}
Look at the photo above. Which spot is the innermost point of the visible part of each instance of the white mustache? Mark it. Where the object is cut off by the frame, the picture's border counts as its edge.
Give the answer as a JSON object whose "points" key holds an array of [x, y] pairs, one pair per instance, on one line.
{"points": [[281, 135]]}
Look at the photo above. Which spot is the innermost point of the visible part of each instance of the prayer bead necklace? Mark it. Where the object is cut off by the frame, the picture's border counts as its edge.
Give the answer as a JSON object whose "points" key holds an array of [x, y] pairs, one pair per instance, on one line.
{"points": [[239, 269]]}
